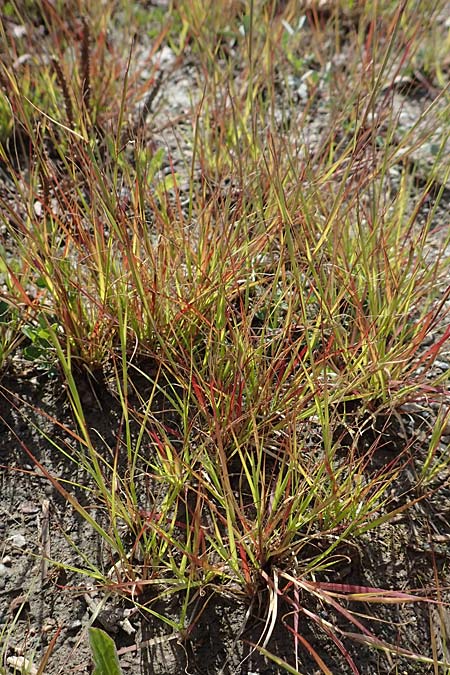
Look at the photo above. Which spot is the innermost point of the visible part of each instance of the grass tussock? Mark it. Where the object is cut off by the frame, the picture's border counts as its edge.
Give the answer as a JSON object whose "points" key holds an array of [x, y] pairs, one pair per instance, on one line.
{"points": [[259, 295]]}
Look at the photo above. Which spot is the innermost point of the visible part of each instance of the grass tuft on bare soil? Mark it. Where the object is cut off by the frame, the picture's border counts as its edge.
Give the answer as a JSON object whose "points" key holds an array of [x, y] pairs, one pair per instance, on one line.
{"points": [[251, 286]]}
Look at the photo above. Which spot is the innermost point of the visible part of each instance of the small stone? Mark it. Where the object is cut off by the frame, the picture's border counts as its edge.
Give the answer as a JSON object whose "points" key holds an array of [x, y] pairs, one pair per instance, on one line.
{"points": [[37, 206], [29, 508], [127, 627], [19, 31], [443, 365], [18, 540], [165, 56], [302, 92], [48, 625], [21, 664], [75, 626]]}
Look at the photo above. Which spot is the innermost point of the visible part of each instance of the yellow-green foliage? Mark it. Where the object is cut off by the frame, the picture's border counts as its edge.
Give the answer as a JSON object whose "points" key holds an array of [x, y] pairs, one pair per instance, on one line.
{"points": [[6, 118]]}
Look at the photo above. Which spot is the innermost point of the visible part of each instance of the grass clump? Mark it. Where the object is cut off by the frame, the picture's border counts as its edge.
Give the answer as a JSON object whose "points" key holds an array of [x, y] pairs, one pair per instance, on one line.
{"points": [[257, 297]]}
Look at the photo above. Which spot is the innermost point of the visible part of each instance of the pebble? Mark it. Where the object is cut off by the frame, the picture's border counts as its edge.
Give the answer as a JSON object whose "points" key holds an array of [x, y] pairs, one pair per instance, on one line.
{"points": [[75, 625], [18, 540], [21, 664], [441, 364], [29, 508]]}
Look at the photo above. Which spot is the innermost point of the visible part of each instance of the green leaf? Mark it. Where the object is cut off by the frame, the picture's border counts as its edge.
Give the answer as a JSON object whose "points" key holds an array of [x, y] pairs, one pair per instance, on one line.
{"points": [[103, 653], [5, 312], [246, 24], [156, 163], [29, 332], [32, 353]]}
